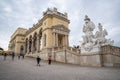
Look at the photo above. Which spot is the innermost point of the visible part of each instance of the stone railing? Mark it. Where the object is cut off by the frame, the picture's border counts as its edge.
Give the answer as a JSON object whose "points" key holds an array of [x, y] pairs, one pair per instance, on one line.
{"points": [[108, 49], [58, 48], [74, 49], [69, 49], [54, 11]]}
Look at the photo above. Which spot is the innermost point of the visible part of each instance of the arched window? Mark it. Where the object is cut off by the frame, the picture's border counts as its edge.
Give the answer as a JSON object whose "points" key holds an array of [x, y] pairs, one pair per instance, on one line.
{"points": [[45, 40], [30, 43], [35, 42], [40, 39]]}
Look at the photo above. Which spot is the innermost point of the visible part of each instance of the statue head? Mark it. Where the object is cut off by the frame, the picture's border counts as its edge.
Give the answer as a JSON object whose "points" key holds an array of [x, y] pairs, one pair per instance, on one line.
{"points": [[100, 26], [86, 18]]}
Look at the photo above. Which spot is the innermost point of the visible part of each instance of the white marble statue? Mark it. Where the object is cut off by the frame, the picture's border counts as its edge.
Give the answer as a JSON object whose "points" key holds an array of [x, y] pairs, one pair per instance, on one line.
{"points": [[100, 35], [88, 28], [91, 41]]}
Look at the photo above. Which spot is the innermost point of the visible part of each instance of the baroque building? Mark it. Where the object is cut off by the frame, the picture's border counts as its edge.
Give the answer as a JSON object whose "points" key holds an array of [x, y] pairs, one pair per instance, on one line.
{"points": [[50, 37], [17, 42], [51, 32]]}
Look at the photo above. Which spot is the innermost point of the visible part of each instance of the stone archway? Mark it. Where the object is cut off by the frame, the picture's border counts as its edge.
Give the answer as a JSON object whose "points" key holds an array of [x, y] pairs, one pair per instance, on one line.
{"points": [[60, 36], [21, 49], [45, 36], [35, 42], [60, 40], [30, 43], [40, 39]]}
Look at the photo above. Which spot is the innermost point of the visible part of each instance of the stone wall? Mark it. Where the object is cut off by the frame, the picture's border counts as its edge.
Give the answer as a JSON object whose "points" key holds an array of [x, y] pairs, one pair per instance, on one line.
{"points": [[90, 60], [60, 56], [103, 58], [66, 57], [110, 55], [72, 58]]}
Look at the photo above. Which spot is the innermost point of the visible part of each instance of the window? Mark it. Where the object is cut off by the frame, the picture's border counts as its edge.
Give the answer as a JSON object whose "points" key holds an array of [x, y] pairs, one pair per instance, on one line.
{"points": [[45, 40]]}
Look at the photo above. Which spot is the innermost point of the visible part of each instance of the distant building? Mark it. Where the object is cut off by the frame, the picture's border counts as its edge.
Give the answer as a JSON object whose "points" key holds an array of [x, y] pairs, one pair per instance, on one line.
{"points": [[17, 42]]}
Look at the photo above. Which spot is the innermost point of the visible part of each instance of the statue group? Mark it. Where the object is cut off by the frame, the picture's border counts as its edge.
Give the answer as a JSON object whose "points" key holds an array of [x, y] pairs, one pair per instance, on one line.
{"points": [[91, 40]]}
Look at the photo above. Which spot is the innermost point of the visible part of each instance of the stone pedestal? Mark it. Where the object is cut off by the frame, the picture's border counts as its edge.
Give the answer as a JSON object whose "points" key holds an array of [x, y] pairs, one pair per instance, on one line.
{"points": [[94, 50], [91, 58]]}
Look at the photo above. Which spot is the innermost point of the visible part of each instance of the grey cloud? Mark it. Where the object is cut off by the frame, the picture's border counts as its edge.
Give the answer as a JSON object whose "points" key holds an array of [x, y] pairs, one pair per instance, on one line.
{"points": [[27, 12]]}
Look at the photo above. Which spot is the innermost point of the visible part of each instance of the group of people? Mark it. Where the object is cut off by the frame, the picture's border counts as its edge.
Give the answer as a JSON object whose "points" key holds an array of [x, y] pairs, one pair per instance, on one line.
{"points": [[39, 60], [13, 55]]}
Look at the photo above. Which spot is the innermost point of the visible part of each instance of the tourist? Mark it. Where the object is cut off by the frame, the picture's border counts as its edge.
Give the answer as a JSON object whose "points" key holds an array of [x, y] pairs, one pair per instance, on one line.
{"points": [[49, 60], [18, 56], [5, 55], [23, 56], [13, 55], [38, 60]]}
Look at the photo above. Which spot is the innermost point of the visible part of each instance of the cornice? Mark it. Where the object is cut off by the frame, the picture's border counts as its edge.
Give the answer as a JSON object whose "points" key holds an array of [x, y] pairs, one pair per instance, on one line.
{"points": [[16, 36]]}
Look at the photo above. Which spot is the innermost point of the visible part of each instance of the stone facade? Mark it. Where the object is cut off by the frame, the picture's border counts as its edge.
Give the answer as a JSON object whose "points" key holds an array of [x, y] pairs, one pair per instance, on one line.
{"points": [[107, 56], [110, 55], [50, 32], [17, 42], [50, 37]]}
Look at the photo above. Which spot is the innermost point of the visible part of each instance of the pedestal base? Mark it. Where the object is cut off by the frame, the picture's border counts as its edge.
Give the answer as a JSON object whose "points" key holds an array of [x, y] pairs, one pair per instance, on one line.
{"points": [[90, 58], [94, 50]]}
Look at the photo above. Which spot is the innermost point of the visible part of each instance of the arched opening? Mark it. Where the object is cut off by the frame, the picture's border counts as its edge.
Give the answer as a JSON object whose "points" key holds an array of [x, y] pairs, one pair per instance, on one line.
{"points": [[21, 49], [35, 42], [60, 40], [40, 39], [45, 36], [30, 43]]}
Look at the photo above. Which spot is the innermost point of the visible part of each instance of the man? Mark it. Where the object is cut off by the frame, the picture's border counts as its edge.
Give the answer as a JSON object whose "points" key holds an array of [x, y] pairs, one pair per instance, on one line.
{"points": [[5, 55], [38, 60], [13, 55], [49, 60]]}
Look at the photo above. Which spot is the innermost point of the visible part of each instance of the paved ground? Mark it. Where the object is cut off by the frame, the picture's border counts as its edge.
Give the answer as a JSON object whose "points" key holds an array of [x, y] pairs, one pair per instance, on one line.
{"points": [[27, 70]]}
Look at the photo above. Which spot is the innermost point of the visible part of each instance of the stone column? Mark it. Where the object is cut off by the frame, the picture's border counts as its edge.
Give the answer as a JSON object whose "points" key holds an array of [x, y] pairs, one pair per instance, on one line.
{"points": [[67, 41], [27, 46], [54, 39], [63, 40]]}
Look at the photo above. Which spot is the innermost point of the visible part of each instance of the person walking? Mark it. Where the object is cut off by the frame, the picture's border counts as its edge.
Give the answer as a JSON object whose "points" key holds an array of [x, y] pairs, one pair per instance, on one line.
{"points": [[5, 55], [13, 55], [18, 56], [49, 60], [23, 56], [38, 60]]}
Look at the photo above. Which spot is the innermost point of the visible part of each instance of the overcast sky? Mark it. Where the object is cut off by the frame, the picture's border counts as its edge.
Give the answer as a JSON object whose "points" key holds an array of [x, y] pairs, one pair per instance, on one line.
{"points": [[24, 13]]}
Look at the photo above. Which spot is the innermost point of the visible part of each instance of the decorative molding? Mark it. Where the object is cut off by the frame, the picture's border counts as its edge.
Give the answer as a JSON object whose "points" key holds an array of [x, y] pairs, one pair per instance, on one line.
{"points": [[16, 36]]}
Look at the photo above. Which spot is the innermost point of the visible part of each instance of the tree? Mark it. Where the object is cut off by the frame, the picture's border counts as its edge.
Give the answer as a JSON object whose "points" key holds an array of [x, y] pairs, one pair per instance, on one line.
{"points": [[1, 49]]}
